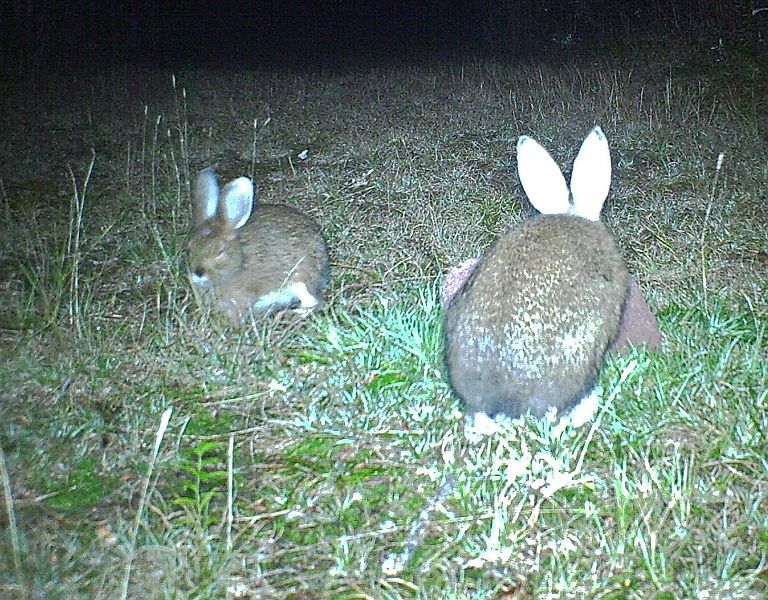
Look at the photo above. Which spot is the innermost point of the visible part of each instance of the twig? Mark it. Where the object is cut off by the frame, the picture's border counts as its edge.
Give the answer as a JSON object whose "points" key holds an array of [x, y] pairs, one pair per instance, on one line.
{"points": [[256, 131], [230, 460], [704, 230], [396, 562], [143, 500], [12, 529], [73, 244]]}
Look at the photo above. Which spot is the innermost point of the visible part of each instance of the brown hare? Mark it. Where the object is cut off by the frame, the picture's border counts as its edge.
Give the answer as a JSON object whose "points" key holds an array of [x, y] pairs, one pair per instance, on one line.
{"points": [[529, 328], [246, 258]]}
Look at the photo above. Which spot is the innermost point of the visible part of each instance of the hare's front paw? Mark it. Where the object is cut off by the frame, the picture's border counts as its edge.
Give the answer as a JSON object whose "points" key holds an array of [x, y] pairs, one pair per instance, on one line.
{"points": [[480, 426]]}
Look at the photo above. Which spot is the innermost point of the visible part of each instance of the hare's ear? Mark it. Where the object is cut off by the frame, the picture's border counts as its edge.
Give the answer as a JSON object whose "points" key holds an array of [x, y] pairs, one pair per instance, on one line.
{"points": [[237, 202], [205, 197], [541, 178], [591, 176]]}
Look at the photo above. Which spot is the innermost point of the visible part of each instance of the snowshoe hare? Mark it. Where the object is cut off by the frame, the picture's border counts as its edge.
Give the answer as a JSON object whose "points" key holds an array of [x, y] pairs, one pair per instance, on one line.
{"points": [[530, 327], [246, 258], [638, 327]]}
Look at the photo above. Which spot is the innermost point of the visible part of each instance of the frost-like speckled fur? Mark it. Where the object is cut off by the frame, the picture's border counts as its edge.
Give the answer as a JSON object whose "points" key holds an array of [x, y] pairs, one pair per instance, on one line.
{"points": [[247, 258], [529, 329], [638, 327]]}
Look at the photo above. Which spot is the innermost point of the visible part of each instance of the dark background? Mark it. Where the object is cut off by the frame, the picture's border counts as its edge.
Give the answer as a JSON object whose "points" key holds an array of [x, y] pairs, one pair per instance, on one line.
{"points": [[307, 33]]}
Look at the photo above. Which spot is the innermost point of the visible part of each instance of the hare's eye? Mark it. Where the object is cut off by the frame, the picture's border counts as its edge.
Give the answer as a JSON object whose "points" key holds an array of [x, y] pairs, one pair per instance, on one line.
{"points": [[199, 272]]}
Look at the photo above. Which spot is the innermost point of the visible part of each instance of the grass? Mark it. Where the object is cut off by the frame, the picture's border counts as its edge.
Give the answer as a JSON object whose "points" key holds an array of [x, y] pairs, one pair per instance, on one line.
{"points": [[153, 452]]}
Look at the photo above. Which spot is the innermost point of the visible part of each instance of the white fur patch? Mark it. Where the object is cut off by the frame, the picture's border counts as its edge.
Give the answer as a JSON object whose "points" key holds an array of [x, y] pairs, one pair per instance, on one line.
{"points": [[581, 414], [585, 410], [480, 426], [302, 293], [287, 296], [281, 297], [199, 280]]}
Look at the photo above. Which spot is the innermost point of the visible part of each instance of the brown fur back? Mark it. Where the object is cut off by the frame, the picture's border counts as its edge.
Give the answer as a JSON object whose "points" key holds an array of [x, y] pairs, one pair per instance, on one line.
{"points": [[530, 327], [279, 245], [282, 245]]}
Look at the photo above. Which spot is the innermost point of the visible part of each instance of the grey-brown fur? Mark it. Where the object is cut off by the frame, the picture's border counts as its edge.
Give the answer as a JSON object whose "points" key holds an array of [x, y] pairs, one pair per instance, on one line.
{"points": [[252, 268], [638, 327], [531, 326]]}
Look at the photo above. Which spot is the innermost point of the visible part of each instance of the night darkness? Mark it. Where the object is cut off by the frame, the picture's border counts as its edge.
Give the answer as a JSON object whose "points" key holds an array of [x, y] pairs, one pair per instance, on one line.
{"points": [[306, 33]]}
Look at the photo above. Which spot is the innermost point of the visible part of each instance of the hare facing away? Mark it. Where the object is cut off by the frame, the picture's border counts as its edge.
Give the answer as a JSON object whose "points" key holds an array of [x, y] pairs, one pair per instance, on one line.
{"points": [[246, 258], [529, 328], [638, 328]]}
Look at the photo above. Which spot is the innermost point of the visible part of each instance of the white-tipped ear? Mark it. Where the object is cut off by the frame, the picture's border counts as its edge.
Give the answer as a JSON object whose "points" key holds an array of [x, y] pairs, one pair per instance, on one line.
{"points": [[541, 178], [205, 197], [237, 202], [591, 176]]}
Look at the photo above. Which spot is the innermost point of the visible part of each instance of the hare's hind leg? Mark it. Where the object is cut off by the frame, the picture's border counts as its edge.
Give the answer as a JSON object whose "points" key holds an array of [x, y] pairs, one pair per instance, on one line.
{"points": [[582, 413], [308, 302], [287, 297]]}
